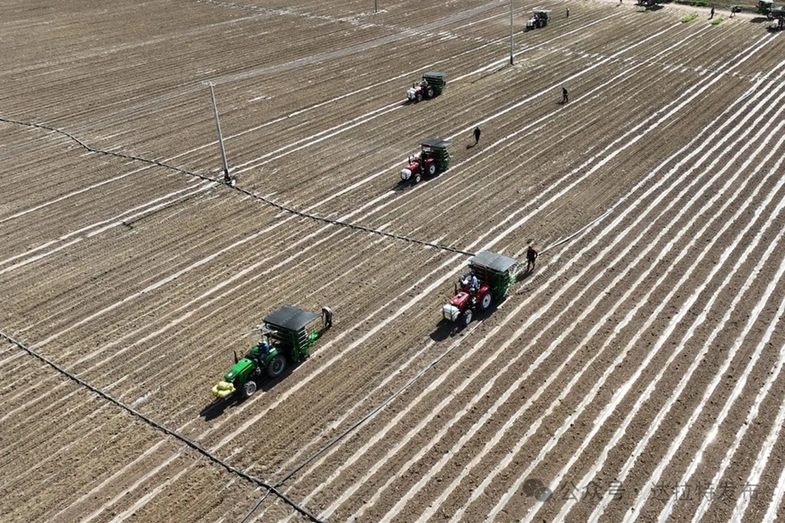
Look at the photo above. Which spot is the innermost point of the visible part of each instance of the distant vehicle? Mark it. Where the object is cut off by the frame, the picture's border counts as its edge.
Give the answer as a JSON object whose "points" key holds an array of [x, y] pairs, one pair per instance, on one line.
{"points": [[433, 159], [287, 338], [765, 7], [489, 278], [778, 14], [431, 85], [539, 18]]}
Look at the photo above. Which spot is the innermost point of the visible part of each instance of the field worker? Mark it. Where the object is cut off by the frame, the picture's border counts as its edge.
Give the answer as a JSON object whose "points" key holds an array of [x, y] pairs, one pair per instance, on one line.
{"points": [[564, 98], [568, 13], [476, 135], [531, 258], [711, 13]]}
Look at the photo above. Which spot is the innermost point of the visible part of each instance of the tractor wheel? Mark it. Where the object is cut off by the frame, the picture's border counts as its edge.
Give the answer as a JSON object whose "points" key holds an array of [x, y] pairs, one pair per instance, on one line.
{"points": [[467, 317], [429, 92], [432, 169], [249, 388], [417, 177], [418, 97], [276, 366], [486, 301]]}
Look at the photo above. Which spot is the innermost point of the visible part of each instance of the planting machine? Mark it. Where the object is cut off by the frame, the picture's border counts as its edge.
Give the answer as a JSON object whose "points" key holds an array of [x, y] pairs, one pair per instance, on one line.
{"points": [[765, 7], [540, 18], [287, 337], [431, 85], [434, 158], [489, 278], [778, 14]]}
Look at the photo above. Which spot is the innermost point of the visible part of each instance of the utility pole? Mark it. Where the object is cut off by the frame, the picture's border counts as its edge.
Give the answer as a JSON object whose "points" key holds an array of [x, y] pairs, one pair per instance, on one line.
{"points": [[511, 35], [227, 178]]}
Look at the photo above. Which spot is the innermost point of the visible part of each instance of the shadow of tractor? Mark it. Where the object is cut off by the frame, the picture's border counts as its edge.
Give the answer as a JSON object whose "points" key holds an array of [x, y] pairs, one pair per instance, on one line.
{"points": [[218, 407]]}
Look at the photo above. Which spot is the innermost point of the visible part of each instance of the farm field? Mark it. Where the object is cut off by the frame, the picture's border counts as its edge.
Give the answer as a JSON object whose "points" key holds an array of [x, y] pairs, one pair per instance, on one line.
{"points": [[635, 374]]}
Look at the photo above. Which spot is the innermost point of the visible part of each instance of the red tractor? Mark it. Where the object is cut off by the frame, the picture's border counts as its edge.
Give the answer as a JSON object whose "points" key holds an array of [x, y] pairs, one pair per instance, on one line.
{"points": [[489, 279], [434, 158], [432, 85]]}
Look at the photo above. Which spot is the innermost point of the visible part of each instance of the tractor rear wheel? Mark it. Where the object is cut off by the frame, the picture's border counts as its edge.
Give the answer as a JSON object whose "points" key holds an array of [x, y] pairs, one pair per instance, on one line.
{"points": [[486, 301], [429, 92], [417, 178], [432, 169], [276, 366], [249, 388], [467, 317]]}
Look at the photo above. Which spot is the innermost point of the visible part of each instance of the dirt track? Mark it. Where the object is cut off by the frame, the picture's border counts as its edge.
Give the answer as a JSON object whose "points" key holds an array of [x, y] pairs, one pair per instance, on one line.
{"points": [[636, 374]]}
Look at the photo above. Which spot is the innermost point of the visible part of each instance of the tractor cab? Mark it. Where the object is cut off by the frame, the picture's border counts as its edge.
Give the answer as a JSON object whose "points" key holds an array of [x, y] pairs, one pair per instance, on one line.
{"points": [[490, 276], [431, 85], [434, 158], [291, 331], [539, 18], [287, 337]]}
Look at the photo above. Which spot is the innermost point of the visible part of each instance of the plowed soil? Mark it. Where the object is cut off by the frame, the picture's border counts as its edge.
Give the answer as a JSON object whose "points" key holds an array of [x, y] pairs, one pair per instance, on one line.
{"points": [[636, 373]]}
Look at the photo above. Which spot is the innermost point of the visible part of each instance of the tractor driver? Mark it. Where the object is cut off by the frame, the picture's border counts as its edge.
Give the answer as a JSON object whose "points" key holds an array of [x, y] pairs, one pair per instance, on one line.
{"points": [[474, 285], [424, 83], [264, 348]]}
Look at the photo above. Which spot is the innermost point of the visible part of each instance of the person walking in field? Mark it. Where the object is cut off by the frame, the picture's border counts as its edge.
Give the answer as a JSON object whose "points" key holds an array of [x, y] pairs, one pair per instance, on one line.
{"points": [[711, 13], [568, 13], [531, 258], [564, 97], [476, 135]]}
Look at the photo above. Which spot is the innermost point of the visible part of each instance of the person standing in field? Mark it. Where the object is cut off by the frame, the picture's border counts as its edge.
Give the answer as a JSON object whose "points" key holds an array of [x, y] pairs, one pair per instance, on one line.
{"points": [[477, 135], [564, 97], [531, 257]]}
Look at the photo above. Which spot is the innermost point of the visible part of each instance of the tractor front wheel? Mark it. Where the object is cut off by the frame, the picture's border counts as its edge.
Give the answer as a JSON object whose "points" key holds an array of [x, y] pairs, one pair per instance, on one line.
{"points": [[418, 97], [276, 366], [417, 178], [467, 317], [486, 301], [432, 169], [249, 388]]}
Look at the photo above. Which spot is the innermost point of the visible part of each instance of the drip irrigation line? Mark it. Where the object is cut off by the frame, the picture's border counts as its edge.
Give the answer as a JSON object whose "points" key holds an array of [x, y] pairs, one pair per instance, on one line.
{"points": [[290, 210], [351, 225], [353, 427], [195, 446], [109, 153], [408, 384], [254, 507], [576, 233]]}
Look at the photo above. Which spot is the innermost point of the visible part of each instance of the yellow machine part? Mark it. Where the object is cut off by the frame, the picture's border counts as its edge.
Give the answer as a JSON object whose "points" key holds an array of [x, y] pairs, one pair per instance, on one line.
{"points": [[223, 389]]}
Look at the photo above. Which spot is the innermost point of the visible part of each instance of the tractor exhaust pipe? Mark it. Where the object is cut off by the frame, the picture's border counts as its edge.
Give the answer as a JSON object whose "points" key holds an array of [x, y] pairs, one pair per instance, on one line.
{"points": [[235, 356]]}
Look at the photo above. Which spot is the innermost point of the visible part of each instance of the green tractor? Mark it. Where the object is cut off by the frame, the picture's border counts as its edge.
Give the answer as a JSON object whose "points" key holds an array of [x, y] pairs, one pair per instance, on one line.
{"points": [[765, 7], [287, 337]]}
